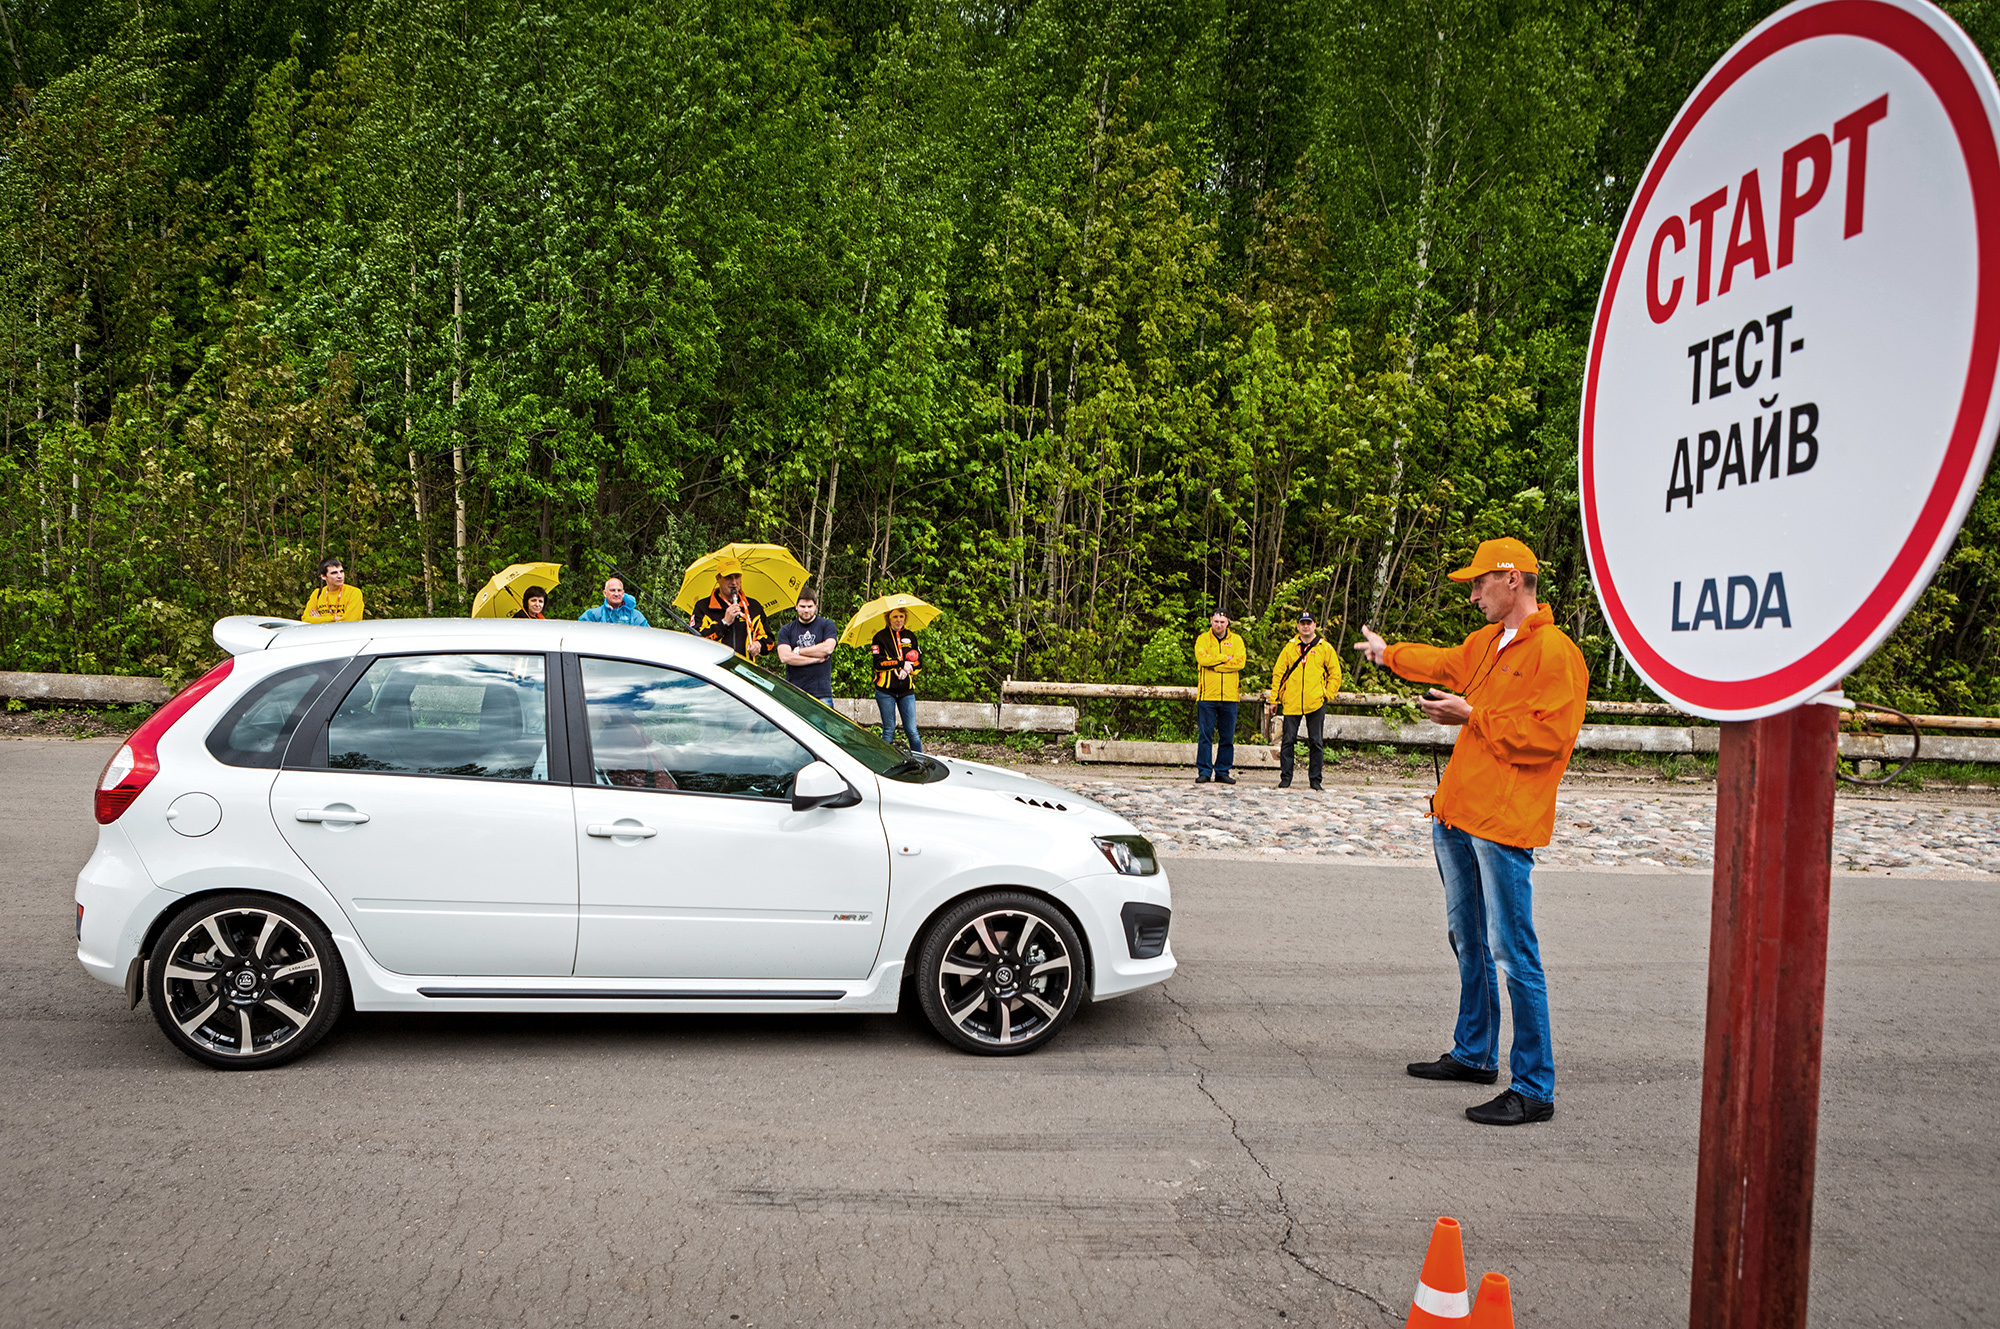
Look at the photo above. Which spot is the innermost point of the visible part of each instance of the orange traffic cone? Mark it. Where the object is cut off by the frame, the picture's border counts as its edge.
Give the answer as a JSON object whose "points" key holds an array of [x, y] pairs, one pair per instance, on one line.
{"points": [[1441, 1299], [1494, 1307]]}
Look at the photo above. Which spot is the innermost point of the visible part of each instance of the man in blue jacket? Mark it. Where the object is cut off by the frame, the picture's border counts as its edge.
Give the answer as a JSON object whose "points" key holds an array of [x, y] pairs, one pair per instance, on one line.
{"points": [[618, 607]]}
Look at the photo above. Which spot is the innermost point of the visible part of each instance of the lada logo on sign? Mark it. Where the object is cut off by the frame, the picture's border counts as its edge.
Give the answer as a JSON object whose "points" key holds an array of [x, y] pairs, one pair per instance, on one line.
{"points": [[1790, 397]]}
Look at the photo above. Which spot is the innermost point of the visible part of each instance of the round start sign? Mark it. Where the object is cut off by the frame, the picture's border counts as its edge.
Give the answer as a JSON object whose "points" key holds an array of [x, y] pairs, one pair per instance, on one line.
{"points": [[1790, 397]]}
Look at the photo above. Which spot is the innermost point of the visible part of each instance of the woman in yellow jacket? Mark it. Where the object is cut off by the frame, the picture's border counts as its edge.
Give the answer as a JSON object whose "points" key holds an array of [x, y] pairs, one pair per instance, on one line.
{"points": [[1303, 680]]}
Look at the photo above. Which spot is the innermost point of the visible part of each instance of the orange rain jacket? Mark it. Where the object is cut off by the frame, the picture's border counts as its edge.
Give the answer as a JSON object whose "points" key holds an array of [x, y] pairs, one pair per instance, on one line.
{"points": [[1527, 708]]}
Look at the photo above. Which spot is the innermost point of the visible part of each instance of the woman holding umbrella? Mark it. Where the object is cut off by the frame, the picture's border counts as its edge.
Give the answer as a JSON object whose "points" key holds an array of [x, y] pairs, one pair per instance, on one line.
{"points": [[508, 592], [897, 660], [888, 626]]}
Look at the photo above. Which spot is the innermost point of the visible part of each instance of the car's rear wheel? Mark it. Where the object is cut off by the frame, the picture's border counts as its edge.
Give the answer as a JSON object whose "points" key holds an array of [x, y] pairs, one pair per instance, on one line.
{"points": [[243, 982], [1000, 974]]}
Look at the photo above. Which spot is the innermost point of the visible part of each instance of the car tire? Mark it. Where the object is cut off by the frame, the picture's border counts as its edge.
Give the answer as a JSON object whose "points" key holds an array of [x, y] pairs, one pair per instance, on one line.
{"points": [[243, 982], [1000, 974]]}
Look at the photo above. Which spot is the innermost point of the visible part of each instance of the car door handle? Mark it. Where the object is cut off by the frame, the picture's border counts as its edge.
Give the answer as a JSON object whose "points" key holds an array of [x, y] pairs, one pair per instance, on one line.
{"points": [[620, 831], [346, 816]]}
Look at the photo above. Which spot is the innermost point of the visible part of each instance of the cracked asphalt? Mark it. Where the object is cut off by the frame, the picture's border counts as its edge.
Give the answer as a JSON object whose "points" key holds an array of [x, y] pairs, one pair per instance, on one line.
{"points": [[1239, 1147]]}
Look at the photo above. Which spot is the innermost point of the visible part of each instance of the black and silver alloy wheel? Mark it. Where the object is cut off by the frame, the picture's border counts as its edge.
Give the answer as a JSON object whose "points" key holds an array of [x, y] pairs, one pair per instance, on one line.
{"points": [[1001, 973], [243, 982]]}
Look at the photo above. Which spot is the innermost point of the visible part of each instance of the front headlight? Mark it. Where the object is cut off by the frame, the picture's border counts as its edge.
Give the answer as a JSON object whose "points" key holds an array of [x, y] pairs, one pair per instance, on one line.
{"points": [[1131, 855]]}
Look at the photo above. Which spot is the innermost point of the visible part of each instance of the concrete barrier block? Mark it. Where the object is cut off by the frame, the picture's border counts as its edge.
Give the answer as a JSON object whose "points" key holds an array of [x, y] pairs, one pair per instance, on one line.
{"points": [[968, 715], [1140, 753], [1369, 729], [930, 714], [1647, 738], [1896, 747], [1017, 719], [95, 689]]}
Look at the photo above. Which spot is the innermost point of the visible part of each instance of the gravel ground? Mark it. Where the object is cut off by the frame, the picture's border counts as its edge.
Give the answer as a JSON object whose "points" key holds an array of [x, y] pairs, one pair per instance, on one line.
{"points": [[1593, 829]]}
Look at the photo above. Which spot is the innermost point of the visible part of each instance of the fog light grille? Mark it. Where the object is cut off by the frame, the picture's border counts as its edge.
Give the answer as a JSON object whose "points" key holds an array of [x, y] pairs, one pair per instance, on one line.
{"points": [[1146, 929]]}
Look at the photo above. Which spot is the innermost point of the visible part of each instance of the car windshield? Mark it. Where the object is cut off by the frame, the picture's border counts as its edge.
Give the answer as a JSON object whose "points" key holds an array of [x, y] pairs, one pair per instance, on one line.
{"points": [[887, 761]]}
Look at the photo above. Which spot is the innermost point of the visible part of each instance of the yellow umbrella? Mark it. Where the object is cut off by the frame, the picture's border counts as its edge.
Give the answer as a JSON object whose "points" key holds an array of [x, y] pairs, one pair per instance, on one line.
{"points": [[771, 576], [872, 617], [501, 597]]}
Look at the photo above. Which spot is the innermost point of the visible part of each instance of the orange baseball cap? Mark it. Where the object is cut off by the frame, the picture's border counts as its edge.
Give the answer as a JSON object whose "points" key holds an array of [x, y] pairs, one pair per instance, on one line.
{"points": [[1500, 555]]}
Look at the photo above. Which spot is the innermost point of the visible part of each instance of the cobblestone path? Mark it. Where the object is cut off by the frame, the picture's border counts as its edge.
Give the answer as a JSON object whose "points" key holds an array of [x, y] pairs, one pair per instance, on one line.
{"points": [[1592, 829]]}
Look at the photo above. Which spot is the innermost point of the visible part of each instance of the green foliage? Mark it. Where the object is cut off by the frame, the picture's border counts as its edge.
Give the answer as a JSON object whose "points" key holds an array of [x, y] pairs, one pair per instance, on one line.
{"points": [[1078, 320]]}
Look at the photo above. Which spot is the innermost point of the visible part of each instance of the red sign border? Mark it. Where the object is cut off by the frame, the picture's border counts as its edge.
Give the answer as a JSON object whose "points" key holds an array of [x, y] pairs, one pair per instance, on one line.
{"points": [[1933, 57]]}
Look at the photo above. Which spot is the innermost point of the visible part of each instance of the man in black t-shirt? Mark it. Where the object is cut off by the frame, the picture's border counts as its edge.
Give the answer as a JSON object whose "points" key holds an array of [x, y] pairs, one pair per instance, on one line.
{"points": [[805, 645]]}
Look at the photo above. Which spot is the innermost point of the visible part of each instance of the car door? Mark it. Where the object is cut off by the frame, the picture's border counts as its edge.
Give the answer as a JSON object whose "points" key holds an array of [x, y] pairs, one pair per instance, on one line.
{"points": [[426, 803], [692, 863]]}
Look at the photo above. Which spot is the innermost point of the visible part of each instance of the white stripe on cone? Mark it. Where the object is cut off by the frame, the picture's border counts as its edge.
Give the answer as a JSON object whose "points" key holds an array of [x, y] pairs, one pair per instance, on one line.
{"points": [[1444, 1305]]}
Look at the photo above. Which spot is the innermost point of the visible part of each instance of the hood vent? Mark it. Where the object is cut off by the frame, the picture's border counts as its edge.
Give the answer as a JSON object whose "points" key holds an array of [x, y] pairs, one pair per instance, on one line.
{"points": [[1041, 803]]}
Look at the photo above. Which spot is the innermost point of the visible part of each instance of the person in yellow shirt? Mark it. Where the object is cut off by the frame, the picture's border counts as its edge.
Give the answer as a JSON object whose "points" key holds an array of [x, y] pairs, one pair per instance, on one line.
{"points": [[336, 601], [1219, 657], [1303, 680]]}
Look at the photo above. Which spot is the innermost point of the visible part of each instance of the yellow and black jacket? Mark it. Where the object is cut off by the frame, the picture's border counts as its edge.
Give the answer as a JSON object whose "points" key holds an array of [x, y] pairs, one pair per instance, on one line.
{"points": [[707, 621], [892, 649]]}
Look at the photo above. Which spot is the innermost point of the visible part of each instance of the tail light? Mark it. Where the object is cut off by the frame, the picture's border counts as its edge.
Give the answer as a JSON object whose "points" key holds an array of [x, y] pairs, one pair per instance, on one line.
{"points": [[134, 765]]}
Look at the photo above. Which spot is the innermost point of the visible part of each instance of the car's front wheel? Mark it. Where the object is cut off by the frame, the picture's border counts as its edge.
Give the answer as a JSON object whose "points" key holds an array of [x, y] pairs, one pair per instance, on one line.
{"points": [[245, 981], [1000, 973]]}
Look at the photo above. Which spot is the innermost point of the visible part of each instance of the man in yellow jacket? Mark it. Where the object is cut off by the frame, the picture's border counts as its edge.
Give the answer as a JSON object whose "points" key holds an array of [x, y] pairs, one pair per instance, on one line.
{"points": [[1523, 684], [1219, 657], [335, 601], [1303, 680]]}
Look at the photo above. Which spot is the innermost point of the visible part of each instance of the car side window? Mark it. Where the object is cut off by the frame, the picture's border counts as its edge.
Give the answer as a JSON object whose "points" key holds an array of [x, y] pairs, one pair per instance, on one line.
{"points": [[479, 716], [258, 726], [655, 728]]}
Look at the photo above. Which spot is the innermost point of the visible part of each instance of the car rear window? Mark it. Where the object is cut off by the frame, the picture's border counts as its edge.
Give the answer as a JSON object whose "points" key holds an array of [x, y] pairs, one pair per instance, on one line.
{"points": [[258, 726]]}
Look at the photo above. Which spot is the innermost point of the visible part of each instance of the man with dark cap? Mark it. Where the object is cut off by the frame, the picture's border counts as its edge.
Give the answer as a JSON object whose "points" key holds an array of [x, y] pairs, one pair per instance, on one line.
{"points": [[1304, 678]]}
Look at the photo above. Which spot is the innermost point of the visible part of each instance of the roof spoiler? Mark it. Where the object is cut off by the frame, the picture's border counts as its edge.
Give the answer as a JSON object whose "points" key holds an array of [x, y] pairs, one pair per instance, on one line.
{"points": [[240, 634]]}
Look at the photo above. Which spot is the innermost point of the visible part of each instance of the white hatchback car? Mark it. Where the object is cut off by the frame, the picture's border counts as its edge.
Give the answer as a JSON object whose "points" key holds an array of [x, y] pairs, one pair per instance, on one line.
{"points": [[517, 815]]}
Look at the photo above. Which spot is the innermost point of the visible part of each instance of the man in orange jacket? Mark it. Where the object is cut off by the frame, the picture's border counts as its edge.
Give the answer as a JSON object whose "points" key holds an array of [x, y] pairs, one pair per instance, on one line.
{"points": [[1523, 684]]}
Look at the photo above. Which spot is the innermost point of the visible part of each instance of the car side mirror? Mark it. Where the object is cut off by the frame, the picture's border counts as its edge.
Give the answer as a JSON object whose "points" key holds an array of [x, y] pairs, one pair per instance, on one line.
{"points": [[821, 786]]}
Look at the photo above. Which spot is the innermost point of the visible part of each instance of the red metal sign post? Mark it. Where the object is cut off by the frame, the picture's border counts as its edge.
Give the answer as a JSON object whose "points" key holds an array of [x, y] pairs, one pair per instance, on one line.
{"points": [[1766, 1002]]}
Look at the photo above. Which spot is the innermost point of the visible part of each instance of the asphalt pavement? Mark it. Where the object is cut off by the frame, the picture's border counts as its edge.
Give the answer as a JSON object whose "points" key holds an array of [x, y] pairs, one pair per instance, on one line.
{"points": [[1239, 1147]]}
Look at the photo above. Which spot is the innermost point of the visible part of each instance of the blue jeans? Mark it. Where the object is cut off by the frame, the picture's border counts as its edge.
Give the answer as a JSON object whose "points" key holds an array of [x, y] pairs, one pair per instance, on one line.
{"points": [[1216, 723], [1489, 905], [892, 707]]}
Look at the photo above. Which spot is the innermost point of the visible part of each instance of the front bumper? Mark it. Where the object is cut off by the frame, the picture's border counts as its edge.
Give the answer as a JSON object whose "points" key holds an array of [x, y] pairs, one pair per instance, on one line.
{"points": [[1099, 901]]}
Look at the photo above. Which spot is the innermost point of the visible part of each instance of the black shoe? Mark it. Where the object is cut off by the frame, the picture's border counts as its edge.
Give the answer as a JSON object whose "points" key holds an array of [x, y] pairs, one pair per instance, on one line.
{"points": [[1316, 788], [1511, 1109], [1284, 784], [1225, 778], [1201, 779], [1449, 1067]]}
